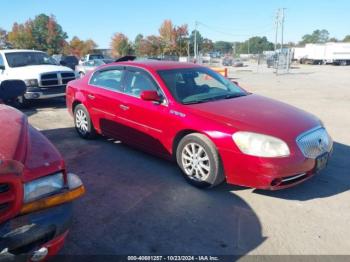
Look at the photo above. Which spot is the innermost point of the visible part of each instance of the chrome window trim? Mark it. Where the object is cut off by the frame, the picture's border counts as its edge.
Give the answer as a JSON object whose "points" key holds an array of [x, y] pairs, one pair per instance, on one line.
{"points": [[164, 103]]}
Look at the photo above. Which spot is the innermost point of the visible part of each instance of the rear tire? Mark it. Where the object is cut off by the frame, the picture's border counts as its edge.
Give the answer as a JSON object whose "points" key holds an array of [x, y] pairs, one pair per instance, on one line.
{"points": [[83, 123], [21, 102], [199, 161]]}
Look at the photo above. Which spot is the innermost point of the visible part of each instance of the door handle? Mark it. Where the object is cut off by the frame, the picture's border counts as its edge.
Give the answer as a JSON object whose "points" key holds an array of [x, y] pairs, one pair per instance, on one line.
{"points": [[124, 107], [91, 96]]}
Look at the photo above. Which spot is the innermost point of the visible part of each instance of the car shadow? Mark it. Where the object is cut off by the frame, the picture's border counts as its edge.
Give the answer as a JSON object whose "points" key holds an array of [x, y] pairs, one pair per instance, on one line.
{"points": [[139, 204], [335, 179]]}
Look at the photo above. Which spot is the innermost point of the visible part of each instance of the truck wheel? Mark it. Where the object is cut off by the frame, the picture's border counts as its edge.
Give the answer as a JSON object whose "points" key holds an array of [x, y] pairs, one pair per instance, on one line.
{"points": [[83, 123], [199, 161], [21, 102]]}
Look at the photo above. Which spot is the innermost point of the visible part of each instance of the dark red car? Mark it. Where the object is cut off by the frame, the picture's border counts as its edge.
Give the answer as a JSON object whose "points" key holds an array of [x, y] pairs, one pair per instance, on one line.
{"points": [[35, 189], [214, 129]]}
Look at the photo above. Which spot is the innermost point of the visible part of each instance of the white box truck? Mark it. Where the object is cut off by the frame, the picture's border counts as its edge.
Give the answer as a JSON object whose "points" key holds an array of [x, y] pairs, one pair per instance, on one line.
{"points": [[328, 53]]}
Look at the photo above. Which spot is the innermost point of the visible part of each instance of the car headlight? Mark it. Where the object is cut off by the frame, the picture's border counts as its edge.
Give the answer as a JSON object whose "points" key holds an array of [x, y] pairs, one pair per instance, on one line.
{"points": [[31, 82], [260, 145], [43, 187]]}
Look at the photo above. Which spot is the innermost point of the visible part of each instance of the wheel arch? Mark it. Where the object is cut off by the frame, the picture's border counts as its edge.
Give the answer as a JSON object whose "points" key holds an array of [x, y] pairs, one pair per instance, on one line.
{"points": [[181, 134]]}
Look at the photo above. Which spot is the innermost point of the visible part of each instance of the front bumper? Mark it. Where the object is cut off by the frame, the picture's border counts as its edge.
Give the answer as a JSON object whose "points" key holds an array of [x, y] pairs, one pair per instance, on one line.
{"points": [[22, 235], [267, 173], [45, 93]]}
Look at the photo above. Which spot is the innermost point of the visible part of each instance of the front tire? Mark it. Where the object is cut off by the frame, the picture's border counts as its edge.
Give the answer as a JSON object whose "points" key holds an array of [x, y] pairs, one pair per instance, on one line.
{"points": [[83, 123], [199, 161]]}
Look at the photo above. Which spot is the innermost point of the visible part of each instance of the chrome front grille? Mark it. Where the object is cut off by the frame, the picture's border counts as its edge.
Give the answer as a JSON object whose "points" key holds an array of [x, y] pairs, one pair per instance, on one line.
{"points": [[56, 79], [315, 142]]}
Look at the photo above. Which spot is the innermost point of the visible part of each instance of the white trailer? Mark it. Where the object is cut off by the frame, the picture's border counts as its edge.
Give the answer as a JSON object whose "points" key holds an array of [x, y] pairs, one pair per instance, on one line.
{"points": [[333, 53], [338, 53]]}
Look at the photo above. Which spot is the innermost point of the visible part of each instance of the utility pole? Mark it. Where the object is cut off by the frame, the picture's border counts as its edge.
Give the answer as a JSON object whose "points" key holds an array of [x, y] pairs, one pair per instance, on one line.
{"points": [[195, 40], [276, 23], [248, 45], [282, 27]]}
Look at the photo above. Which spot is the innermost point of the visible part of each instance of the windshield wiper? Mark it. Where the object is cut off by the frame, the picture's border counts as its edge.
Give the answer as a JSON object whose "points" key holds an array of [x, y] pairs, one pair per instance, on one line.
{"points": [[229, 96]]}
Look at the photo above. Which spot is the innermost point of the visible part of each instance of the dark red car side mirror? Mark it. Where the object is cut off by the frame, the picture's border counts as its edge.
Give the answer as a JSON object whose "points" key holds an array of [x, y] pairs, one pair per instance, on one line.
{"points": [[151, 95]]}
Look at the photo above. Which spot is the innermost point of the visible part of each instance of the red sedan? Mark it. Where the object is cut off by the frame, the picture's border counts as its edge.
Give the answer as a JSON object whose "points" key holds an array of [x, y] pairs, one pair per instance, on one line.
{"points": [[214, 129]]}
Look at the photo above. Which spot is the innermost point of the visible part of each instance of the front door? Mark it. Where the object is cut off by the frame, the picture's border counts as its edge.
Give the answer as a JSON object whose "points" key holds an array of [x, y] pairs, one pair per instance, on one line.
{"points": [[146, 120]]}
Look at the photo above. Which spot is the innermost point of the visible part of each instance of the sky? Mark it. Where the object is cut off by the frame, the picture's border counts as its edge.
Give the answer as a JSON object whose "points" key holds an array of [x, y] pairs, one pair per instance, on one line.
{"points": [[228, 20]]}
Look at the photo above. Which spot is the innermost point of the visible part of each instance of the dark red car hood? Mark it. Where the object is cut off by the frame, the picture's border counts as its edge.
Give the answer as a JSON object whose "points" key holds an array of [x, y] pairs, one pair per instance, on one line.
{"points": [[21, 142], [258, 114]]}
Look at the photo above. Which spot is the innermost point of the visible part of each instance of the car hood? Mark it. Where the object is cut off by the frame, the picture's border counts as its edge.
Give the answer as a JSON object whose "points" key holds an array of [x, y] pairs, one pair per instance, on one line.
{"points": [[24, 144], [258, 114], [33, 72]]}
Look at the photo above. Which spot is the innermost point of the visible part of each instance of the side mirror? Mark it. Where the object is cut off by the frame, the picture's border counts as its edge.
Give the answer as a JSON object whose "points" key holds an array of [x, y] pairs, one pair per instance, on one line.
{"points": [[151, 95], [11, 89], [2, 67]]}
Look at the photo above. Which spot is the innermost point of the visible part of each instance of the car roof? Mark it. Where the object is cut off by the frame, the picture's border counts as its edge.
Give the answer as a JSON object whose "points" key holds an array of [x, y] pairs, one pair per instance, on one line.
{"points": [[19, 50], [156, 65]]}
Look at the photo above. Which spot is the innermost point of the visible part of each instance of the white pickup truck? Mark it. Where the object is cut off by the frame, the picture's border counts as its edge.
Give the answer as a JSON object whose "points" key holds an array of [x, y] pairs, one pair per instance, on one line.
{"points": [[41, 74]]}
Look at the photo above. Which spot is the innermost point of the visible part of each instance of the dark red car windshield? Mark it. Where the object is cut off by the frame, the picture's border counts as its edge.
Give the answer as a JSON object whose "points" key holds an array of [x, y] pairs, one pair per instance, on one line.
{"points": [[198, 85]]}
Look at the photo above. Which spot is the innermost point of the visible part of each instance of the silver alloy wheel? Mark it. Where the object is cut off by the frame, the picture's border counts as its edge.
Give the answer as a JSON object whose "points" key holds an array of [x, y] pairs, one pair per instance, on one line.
{"points": [[195, 162], [81, 121]]}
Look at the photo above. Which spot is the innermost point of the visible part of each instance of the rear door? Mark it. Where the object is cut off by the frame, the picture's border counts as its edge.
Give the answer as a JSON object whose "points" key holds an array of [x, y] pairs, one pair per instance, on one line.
{"points": [[105, 89]]}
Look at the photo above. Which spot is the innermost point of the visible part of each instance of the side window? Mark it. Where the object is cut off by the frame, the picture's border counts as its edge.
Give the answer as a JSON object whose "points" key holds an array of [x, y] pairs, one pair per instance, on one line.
{"points": [[109, 79], [139, 81], [1, 60]]}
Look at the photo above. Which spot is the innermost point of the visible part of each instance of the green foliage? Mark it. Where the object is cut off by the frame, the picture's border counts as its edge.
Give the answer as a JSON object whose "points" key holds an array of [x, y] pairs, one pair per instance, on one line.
{"points": [[4, 39], [78, 47], [200, 40], [120, 45], [223, 47], [346, 38], [317, 36], [255, 45], [42, 33]]}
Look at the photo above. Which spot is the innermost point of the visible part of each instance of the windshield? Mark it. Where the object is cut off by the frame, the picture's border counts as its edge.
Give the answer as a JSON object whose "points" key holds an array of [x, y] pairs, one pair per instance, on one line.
{"points": [[18, 59], [92, 57], [198, 85]]}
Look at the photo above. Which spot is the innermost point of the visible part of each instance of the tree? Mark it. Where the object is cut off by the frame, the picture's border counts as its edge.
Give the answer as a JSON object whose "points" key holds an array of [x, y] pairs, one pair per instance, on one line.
{"points": [[3, 39], [317, 36], [21, 36], [346, 38], [223, 47], [199, 41], [150, 46], [42, 33], [167, 35], [120, 45], [181, 39], [79, 47], [173, 38], [255, 45], [207, 45], [137, 44]]}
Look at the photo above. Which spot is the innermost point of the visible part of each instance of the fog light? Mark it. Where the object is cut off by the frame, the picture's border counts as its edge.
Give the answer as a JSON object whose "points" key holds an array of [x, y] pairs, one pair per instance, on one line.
{"points": [[40, 254]]}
